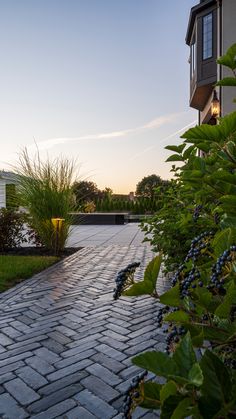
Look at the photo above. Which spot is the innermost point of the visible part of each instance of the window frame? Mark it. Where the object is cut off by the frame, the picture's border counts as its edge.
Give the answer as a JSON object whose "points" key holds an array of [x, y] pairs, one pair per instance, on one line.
{"points": [[206, 39]]}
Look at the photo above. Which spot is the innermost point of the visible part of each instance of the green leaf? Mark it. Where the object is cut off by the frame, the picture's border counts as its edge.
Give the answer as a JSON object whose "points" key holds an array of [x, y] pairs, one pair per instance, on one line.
{"points": [[203, 297], [195, 375], [175, 157], [157, 362], [197, 340], [216, 388], [223, 240], [148, 285], [170, 405], [168, 389], [229, 203], [224, 309], [225, 176], [171, 297], [179, 316], [151, 396], [183, 410], [216, 335], [229, 59], [184, 356], [227, 81], [176, 148], [140, 288], [189, 151], [152, 270], [214, 134]]}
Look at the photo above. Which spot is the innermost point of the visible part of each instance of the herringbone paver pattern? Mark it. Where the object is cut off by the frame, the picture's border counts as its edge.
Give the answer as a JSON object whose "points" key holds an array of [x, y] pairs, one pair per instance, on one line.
{"points": [[66, 346]]}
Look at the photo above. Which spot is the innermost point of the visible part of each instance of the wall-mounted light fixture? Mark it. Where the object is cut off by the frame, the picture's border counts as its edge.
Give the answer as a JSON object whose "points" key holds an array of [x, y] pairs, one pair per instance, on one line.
{"points": [[215, 105]]}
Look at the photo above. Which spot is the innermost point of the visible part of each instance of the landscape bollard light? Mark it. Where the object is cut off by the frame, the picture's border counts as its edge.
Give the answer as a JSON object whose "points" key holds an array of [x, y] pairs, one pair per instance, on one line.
{"points": [[57, 224]]}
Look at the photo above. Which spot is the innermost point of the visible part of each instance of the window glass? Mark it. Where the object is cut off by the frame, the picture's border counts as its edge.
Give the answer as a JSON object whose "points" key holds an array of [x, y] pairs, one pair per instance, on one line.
{"points": [[207, 36]]}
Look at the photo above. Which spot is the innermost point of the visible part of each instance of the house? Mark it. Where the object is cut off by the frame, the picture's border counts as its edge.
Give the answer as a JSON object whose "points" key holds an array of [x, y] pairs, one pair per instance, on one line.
{"points": [[211, 31], [6, 179]]}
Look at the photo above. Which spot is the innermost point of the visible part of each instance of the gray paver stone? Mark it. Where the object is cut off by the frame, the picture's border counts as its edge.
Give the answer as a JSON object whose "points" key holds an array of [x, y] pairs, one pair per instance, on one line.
{"points": [[95, 405], [100, 388], [79, 412], [58, 409], [9, 408], [31, 377], [21, 392]]}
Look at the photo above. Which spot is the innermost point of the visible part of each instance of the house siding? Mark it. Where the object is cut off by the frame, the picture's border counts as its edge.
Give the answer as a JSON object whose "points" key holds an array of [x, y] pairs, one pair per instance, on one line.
{"points": [[228, 39], [2, 193]]}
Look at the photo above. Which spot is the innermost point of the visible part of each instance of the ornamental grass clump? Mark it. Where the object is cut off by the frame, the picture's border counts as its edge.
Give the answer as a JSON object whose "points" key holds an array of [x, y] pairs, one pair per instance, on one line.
{"points": [[45, 190]]}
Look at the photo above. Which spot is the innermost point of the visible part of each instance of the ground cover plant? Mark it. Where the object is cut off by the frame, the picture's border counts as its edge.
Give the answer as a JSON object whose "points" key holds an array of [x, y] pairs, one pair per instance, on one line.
{"points": [[14, 269], [199, 310]]}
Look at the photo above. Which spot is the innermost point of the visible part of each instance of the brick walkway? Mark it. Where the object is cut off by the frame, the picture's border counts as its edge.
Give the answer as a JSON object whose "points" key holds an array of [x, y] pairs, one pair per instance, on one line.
{"points": [[66, 346]]}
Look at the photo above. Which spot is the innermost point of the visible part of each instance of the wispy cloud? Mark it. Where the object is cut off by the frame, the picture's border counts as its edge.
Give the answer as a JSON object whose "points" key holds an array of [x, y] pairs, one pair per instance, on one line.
{"points": [[162, 141], [155, 123]]}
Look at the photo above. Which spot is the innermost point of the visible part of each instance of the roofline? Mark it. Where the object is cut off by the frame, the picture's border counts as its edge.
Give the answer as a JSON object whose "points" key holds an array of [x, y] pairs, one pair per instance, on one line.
{"points": [[194, 11]]}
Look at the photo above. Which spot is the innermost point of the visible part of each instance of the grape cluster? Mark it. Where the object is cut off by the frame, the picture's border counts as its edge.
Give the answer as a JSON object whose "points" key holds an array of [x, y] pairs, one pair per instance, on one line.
{"points": [[124, 278], [217, 269], [161, 312], [191, 280], [216, 218], [198, 244], [173, 338], [132, 395], [196, 212]]}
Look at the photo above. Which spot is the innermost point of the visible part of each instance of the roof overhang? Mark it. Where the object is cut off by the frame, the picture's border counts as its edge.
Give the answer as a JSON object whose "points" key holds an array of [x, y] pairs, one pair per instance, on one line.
{"points": [[193, 13]]}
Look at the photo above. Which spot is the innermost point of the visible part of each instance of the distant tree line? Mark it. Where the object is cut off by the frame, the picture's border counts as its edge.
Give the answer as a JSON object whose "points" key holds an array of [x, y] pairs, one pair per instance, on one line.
{"points": [[90, 198]]}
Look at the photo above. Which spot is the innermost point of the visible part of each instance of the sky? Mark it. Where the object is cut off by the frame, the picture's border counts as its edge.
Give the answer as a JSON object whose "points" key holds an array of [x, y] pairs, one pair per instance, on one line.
{"points": [[105, 82]]}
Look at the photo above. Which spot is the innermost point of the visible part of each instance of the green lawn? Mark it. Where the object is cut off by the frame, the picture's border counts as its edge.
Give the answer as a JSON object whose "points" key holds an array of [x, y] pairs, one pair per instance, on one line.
{"points": [[14, 269]]}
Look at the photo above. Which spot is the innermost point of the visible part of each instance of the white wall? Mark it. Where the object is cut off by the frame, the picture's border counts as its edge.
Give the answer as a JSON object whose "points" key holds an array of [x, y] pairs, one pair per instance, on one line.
{"points": [[229, 38], [2, 193]]}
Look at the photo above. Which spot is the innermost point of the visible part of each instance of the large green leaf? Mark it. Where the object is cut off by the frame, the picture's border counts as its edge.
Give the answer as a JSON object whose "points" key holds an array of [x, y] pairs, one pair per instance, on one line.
{"points": [[216, 335], [227, 81], [195, 375], [223, 240], [229, 203], [179, 316], [183, 410], [225, 176], [224, 309], [151, 396], [216, 388], [217, 134], [229, 59], [148, 285], [168, 389], [139, 288], [152, 270], [176, 148], [170, 405], [157, 362], [171, 297], [175, 157], [184, 356]]}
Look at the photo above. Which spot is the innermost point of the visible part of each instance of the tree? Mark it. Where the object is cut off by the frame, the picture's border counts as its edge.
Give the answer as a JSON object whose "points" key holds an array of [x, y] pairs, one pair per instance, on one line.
{"points": [[85, 191], [146, 187]]}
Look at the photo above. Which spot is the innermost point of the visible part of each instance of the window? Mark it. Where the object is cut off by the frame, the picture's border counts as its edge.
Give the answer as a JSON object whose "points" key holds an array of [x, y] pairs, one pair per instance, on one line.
{"points": [[207, 36]]}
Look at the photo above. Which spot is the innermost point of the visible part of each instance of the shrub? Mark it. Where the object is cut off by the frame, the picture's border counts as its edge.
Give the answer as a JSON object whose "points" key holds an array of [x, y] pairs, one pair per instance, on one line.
{"points": [[199, 310], [11, 229]]}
